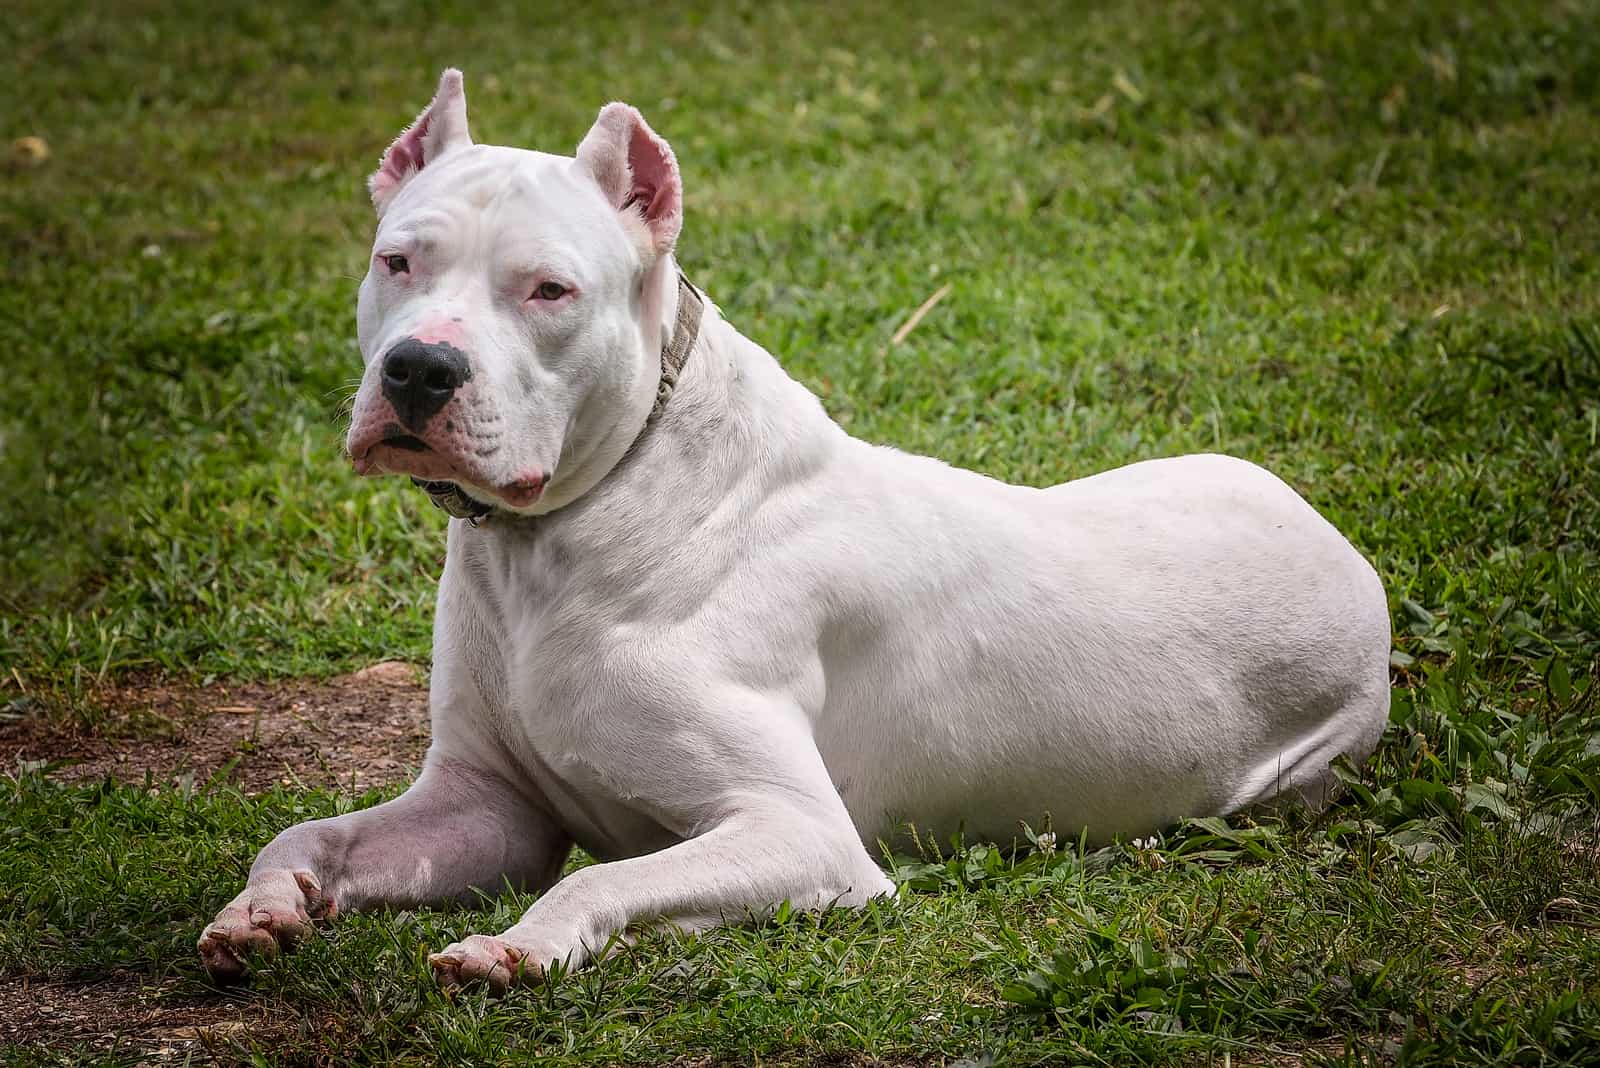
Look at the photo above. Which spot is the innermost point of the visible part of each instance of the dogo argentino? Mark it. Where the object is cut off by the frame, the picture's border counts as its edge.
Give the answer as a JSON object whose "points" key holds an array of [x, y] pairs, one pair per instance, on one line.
{"points": [[691, 625]]}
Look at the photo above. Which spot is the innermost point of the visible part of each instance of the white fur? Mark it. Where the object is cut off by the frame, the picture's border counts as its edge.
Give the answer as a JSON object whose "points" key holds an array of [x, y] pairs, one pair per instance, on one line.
{"points": [[731, 663]]}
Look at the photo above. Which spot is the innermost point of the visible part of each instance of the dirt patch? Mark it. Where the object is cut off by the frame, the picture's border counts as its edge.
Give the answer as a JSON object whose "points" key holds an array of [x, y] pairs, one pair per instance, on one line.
{"points": [[355, 732], [1327, 1050], [132, 1016], [133, 1019]]}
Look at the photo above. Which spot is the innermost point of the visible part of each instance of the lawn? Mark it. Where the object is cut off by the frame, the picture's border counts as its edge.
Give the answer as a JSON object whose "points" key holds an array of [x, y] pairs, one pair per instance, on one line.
{"points": [[1357, 243]]}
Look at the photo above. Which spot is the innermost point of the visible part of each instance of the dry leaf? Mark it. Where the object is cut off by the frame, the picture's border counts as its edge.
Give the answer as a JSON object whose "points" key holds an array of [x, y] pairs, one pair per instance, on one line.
{"points": [[32, 149]]}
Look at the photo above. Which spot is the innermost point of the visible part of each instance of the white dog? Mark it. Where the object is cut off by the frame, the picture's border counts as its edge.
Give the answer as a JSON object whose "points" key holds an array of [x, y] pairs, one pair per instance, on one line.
{"points": [[694, 627]]}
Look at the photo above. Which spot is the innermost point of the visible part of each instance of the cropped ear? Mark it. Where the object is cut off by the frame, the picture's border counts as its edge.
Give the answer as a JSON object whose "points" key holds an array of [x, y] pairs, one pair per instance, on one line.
{"points": [[636, 170], [441, 128]]}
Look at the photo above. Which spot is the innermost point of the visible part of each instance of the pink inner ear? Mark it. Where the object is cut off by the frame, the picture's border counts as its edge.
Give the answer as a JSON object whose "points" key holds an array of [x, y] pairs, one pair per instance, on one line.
{"points": [[655, 188], [403, 157]]}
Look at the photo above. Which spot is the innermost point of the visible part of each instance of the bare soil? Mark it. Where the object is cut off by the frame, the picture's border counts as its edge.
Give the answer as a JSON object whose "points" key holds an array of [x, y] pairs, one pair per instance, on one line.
{"points": [[132, 1017], [354, 732]]}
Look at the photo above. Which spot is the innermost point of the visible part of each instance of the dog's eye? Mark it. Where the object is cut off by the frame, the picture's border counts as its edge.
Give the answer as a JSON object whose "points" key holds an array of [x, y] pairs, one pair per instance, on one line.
{"points": [[397, 264], [550, 291]]}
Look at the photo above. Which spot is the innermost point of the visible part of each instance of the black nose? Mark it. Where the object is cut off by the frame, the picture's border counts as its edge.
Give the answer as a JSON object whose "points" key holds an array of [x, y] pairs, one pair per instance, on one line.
{"points": [[419, 377]]}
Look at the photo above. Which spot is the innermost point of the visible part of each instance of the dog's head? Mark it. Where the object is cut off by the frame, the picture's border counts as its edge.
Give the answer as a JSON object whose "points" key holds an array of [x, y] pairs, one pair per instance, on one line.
{"points": [[512, 316]]}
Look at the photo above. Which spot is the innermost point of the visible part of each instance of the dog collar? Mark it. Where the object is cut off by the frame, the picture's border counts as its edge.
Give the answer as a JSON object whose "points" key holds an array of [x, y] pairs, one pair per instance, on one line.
{"points": [[455, 502]]}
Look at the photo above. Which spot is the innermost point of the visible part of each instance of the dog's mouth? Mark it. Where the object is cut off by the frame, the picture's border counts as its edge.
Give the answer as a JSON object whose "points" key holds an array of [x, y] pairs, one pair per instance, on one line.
{"points": [[398, 452], [408, 442]]}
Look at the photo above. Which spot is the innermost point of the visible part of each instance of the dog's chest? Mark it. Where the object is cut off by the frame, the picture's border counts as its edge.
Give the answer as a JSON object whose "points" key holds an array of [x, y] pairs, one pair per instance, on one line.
{"points": [[562, 741], [607, 820], [548, 622]]}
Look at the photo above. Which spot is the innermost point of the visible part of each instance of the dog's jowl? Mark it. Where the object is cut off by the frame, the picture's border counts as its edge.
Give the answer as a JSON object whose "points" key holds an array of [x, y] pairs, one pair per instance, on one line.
{"points": [[690, 624]]}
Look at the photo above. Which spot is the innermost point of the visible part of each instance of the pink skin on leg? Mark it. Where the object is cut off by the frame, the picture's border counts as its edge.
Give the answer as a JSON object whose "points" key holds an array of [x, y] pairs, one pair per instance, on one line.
{"points": [[483, 959], [456, 831], [275, 911]]}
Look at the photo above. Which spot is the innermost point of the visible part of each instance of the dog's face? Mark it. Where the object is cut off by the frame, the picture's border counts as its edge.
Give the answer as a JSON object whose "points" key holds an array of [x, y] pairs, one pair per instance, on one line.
{"points": [[510, 319]]}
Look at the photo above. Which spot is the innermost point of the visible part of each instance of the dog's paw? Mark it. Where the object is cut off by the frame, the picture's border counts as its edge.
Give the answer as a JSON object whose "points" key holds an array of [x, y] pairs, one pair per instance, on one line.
{"points": [[274, 912], [484, 959]]}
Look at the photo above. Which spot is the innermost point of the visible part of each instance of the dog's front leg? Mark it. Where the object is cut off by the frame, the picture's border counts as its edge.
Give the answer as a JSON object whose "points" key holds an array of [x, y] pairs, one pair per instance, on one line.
{"points": [[457, 829], [756, 858], [763, 824]]}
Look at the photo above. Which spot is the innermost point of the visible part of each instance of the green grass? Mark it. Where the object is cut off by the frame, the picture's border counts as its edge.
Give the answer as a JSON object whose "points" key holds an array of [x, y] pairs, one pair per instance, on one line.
{"points": [[1357, 243]]}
